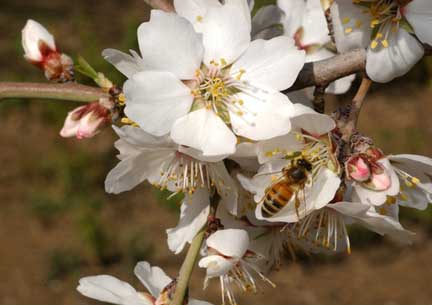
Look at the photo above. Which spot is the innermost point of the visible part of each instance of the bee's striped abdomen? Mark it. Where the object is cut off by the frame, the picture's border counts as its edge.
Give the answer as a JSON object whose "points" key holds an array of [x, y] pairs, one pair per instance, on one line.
{"points": [[276, 198]]}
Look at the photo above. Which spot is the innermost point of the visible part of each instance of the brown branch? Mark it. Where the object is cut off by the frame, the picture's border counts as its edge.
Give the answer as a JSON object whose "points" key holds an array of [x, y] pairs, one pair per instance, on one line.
{"points": [[69, 92], [164, 5], [322, 73]]}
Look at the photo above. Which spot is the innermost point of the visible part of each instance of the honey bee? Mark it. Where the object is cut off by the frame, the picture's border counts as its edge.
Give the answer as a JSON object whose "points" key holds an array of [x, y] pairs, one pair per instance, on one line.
{"points": [[293, 180]]}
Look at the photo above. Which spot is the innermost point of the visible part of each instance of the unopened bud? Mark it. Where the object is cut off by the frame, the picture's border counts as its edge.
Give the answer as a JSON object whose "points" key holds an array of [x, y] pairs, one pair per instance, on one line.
{"points": [[40, 50], [87, 121], [357, 169]]}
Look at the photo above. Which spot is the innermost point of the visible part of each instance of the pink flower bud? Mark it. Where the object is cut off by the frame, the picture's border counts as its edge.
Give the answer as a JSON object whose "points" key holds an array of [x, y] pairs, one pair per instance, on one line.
{"points": [[37, 42], [86, 121], [40, 50], [374, 153], [358, 169], [379, 182]]}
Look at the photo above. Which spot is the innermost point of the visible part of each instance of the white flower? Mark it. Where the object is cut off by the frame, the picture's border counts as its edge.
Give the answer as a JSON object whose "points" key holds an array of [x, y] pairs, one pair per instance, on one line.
{"points": [[325, 229], [305, 22], [109, 289], [194, 213], [229, 259], [310, 158], [167, 165], [36, 41], [209, 86], [415, 176], [385, 27]]}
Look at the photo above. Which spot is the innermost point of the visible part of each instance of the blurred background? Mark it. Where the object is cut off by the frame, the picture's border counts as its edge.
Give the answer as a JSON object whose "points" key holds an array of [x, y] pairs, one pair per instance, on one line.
{"points": [[57, 224]]}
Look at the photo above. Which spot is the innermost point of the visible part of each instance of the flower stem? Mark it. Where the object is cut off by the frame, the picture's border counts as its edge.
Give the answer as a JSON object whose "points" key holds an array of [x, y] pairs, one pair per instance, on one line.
{"points": [[191, 258], [68, 92]]}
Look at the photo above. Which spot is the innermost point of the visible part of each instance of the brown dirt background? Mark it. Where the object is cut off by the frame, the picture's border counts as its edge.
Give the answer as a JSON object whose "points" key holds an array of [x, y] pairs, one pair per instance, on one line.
{"points": [[57, 224]]}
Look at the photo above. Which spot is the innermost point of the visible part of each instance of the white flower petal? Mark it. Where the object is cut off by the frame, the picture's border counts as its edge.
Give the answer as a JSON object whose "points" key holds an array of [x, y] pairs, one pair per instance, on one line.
{"points": [[153, 278], [419, 15], [254, 123], [133, 170], [385, 64], [225, 186], [109, 289], [155, 100], [32, 34], [348, 35], [230, 242], [294, 11], [142, 157], [266, 17], [352, 209], [385, 225], [216, 265], [125, 63], [314, 123], [194, 10], [204, 130], [226, 32], [315, 30], [270, 64], [195, 209], [278, 147], [169, 42], [419, 167]]}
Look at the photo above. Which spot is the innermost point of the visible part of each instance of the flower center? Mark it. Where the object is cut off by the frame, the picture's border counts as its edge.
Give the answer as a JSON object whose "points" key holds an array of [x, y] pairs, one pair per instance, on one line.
{"points": [[218, 90], [386, 17], [186, 174]]}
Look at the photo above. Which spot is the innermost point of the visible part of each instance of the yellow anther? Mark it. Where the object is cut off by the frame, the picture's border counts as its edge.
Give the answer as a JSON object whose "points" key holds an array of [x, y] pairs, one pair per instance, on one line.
{"points": [[199, 18], [403, 196], [382, 211], [348, 30], [385, 43], [408, 183], [374, 44], [358, 24], [240, 74], [415, 180], [374, 23], [346, 20], [390, 200], [223, 61]]}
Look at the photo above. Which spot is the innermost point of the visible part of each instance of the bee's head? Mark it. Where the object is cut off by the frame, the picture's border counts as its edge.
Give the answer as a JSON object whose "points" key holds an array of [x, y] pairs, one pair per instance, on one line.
{"points": [[303, 163]]}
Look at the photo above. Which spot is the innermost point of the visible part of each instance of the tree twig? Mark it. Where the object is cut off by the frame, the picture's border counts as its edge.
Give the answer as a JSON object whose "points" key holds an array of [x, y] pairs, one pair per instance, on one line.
{"points": [[164, 5], [69, 92], [323, 72], [191, 258]]}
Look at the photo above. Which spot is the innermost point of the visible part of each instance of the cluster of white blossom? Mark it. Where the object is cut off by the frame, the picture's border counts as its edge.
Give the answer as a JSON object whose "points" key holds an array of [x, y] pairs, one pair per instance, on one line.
{"points": [[205, 116]]}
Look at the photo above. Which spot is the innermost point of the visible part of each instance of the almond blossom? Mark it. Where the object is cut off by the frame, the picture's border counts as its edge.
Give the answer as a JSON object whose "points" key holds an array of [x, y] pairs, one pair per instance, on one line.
{"points": [[281, 153], [214, 84], [109, 289], [229, 259], [392, 30], [305, 22], [40, 50], [166, 165]]}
